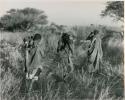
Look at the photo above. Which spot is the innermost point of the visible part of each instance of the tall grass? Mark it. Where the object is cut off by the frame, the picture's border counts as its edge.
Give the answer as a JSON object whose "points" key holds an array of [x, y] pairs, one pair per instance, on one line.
{"points": [[55, 81]]}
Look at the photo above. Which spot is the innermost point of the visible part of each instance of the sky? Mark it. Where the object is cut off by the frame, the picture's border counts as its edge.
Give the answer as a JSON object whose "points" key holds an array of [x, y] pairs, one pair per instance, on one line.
{"points": [[64, 12]]}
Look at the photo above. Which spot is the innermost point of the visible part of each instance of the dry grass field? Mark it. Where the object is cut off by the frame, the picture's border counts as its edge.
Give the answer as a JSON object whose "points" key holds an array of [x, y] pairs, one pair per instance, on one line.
{"points": [[79, 85]]}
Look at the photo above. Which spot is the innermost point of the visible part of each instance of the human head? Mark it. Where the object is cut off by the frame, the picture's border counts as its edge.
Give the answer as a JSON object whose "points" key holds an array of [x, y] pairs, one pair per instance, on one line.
{"points": [[90, 36], [37, 38], [95, 32]]}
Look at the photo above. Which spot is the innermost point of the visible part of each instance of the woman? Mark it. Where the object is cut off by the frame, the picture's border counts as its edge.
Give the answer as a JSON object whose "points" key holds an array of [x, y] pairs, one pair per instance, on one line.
{"points": [[34, 58], [33, 54], [95, 51], [65, 43]]}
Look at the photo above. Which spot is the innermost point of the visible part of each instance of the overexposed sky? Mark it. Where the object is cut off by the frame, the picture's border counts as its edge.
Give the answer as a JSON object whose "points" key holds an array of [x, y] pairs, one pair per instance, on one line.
{"points": [[66, 12]]}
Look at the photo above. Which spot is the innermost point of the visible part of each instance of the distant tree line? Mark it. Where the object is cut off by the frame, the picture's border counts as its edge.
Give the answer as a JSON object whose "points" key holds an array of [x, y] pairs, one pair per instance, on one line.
{"points": [[28, 18], [22, 19]]}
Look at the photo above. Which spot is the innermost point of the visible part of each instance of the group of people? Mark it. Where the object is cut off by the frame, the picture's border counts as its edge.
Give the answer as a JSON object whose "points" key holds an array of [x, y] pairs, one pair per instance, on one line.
{"points": [[33, 53]]}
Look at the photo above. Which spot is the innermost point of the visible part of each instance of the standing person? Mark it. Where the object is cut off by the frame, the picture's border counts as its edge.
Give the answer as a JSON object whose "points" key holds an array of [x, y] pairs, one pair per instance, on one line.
{"points": [[65, 44], [33, 59], [95, 51]]}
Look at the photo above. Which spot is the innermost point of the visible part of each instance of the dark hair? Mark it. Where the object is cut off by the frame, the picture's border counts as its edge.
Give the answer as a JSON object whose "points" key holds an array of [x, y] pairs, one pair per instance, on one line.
{"points": [[90, 36], [37, 37], [95, 32]]}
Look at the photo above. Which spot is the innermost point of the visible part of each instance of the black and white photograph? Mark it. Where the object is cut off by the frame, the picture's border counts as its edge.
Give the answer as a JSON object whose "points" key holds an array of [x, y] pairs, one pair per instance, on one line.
{"points": [[62, 50]]}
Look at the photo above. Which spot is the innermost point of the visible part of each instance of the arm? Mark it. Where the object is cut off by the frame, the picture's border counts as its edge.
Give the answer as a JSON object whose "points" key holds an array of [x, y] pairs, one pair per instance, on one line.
{"points": [[92, 46]]}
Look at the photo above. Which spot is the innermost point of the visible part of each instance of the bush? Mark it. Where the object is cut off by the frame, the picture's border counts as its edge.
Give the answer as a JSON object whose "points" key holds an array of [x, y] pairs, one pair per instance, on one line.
{"points": [[23, 19]]}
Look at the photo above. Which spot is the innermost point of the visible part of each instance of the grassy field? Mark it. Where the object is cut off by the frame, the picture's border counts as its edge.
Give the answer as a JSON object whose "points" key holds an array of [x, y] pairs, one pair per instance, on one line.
{"points": [[54, 85]]}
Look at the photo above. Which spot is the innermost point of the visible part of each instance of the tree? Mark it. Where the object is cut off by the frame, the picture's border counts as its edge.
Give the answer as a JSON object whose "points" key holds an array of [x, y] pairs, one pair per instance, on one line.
{"points": [[23, 19], [56, 28], [114, 9]]}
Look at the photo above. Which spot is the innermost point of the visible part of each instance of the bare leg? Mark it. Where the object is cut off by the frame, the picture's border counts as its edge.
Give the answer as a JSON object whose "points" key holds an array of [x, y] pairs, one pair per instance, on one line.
{"points": [[34, 76], [70, 63], [31, 85], [70, 60]]}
